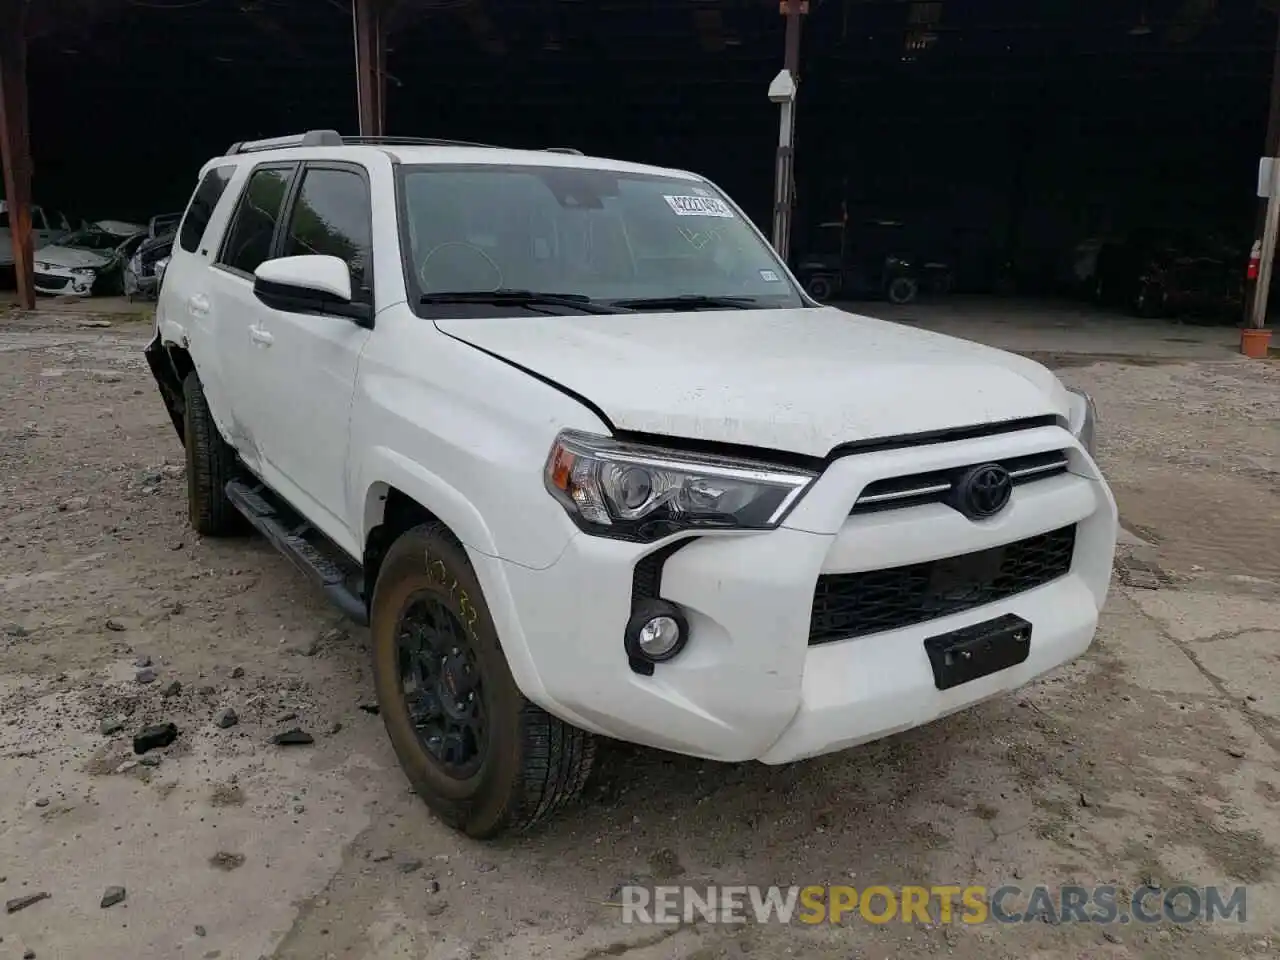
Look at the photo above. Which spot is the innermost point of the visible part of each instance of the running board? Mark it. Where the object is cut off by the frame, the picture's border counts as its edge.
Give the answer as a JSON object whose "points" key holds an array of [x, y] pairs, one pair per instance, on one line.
{"points": [[308, 548]]}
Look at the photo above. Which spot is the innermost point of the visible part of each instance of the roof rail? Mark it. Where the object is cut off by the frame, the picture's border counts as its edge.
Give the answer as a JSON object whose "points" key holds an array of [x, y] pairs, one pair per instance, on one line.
{"points": [[569, 150], [414, 142], [312, 138]]}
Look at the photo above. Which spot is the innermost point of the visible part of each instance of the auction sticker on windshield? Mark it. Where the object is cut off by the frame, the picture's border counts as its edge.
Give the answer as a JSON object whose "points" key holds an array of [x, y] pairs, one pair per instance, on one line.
{"points": [[699, 207]]}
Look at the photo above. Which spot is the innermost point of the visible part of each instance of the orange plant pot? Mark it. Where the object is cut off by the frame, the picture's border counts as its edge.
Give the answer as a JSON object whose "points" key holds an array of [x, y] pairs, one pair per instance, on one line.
{"points": [[1255, 343]]}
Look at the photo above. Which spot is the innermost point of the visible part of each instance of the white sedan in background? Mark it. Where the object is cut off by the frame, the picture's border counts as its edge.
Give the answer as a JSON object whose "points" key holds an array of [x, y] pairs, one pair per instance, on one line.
{"points": [[88, 261]]}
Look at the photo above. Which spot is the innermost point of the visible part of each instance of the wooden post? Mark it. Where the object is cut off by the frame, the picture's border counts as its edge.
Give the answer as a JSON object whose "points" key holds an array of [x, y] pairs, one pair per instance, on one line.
{"points": [[15, 145], [371, 65]]}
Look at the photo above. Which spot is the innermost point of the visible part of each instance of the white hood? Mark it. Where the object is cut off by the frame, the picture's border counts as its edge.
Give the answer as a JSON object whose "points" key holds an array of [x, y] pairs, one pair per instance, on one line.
{"points": [[800, 380], [59, 256]]}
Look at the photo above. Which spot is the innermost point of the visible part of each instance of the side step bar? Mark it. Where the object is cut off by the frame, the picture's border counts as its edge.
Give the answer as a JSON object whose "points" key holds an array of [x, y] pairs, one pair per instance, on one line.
{"points": [[303, 544]]}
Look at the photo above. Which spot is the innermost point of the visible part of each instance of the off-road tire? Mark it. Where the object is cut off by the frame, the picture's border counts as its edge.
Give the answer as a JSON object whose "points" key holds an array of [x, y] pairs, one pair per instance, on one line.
{"points": [[210, 464], [532, 763]]}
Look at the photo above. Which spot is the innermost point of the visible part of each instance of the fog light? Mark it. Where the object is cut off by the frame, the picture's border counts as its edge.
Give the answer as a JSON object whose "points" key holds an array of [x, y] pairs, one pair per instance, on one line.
{"points": [[656, 632], [659, 637]]}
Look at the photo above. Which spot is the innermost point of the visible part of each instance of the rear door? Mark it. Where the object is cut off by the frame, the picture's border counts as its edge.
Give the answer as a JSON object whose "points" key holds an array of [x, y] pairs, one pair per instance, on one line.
{"points": [[308, 368], [241, 347], [184, 310]]}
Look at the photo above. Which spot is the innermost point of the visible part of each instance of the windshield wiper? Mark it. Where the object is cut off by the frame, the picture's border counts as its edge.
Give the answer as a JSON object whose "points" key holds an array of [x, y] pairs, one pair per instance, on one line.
{"points": [[688, 301], [518, 298]]}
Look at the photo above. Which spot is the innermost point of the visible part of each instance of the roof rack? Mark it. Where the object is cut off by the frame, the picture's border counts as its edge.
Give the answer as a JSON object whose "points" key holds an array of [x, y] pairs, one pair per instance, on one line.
{"points": [[415, 142], [312, 138], [331, 138]]}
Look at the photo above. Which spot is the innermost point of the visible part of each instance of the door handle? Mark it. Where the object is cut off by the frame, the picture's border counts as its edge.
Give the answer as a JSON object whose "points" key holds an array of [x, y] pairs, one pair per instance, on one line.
{"points": [[198, 304], [261, 336]]}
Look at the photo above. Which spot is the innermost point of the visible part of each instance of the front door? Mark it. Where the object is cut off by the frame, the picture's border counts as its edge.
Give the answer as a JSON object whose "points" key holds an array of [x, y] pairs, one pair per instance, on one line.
{"points": [[312, 358]]}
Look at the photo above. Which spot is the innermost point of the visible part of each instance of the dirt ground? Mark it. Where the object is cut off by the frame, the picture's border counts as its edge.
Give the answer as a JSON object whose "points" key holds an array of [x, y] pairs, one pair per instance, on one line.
{"points": [[1152, 760]]}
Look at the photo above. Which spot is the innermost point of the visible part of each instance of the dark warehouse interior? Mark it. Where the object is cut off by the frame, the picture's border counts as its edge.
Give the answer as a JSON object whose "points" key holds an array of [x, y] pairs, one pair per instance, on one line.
{"points": [[993, 127]]}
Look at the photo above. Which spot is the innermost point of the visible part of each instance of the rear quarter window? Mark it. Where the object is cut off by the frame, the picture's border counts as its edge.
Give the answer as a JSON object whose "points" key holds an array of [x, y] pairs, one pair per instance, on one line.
{"points": [[200, 210]]}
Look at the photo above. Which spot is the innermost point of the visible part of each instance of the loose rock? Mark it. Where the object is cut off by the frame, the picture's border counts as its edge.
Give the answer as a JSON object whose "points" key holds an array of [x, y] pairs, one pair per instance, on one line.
{"points": [[237, 673], [150, 761], [308, 649], [294, 736], [1084, 801], [143, 661], [16, 630], [112, 896], [29, 955], [409, 866], [115, 626], [42, 802], [145, 675], [1235, 752], [226, 861], [111, 725], [155, 736], [226, 718], [172, 689], [381, 856], [335, 727], [371, 708], [21, 903], [1110, 937], [200, 931], [73, 505], [333, 635]]}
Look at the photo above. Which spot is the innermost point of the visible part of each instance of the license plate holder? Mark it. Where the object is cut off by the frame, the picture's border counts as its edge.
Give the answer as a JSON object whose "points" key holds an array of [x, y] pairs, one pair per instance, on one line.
{"points": [[978, 651]]}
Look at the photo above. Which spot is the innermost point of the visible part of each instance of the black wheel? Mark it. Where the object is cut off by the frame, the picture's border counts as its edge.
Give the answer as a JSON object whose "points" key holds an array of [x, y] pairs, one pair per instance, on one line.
{"points": [[820, 288], [210, 464], [903, 290], [480, 755]]}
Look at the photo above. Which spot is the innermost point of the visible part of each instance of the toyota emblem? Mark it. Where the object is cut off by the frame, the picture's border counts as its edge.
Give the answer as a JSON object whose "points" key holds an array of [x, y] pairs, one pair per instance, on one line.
{"points": [[983, 491]]}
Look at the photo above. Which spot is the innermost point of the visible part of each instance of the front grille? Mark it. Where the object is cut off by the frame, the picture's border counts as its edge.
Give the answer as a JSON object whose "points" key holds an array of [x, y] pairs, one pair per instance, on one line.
{"points": [[933, 487], [50, 282], [847, 605]]}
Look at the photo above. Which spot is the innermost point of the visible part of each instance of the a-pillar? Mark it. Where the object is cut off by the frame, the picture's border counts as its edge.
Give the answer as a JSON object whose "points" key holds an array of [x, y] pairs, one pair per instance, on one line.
{"points": [[371, 65], [15, 144]]}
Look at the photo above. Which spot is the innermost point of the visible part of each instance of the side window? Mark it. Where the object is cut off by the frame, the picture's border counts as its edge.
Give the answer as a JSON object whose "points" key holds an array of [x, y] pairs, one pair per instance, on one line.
{"points": [[248, 240], [332, 216], [207, 194]]}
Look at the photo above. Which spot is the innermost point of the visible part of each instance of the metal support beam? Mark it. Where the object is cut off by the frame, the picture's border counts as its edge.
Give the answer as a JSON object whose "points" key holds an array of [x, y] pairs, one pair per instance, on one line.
{"points": [[371, 65], [784, 188]]}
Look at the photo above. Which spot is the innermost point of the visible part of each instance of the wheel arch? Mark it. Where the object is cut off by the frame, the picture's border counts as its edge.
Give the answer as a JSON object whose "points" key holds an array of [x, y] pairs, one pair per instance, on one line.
{"points": [[408, 496], [170, 365], [403, 495]]}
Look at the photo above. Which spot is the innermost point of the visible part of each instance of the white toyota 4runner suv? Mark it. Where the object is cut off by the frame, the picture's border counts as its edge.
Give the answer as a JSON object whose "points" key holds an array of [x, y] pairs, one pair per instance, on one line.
{"points": [[567, 434]]}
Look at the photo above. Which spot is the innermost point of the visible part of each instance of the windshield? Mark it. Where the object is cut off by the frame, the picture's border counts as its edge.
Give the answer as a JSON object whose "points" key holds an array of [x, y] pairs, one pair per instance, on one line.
{"points": [[600, 234], [92, 240]]}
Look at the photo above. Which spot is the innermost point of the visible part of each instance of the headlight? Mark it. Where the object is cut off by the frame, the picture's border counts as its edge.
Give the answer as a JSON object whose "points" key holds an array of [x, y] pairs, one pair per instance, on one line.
{"points": [[84, 271], [1084, 418], [632, 492]]}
